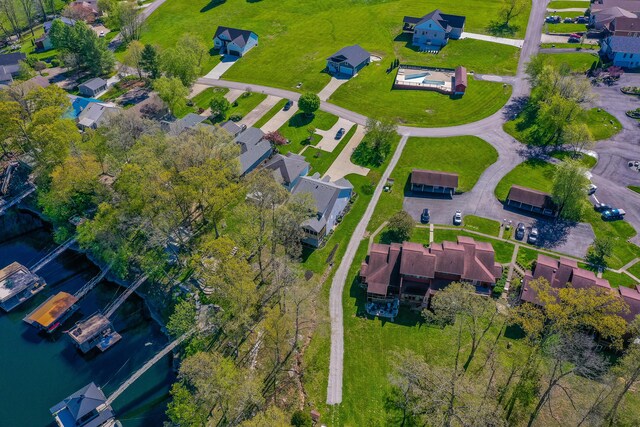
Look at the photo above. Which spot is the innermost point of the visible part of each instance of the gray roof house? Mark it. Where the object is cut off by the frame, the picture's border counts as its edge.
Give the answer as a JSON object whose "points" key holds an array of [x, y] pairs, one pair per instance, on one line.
{"points": [[234, 41], [254, 149], [190, 121], [95, 114], [348, 60], [331, 200], [10, 66], [84, 408], [92, 87], [623, 51], [434, 29], [231, 127], [287, 169]]}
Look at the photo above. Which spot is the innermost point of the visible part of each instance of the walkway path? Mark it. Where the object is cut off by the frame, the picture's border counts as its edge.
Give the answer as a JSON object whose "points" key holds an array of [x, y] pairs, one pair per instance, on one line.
{"points": [[260, 110], [499, 40], [342, 165]]}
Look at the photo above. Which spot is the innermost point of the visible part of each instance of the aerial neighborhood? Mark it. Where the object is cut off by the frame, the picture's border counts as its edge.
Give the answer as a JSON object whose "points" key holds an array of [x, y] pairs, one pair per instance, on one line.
{"points": [[320, 213]]}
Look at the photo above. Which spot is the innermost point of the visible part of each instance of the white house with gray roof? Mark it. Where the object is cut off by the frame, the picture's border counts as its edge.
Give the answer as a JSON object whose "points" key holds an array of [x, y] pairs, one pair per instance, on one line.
{"points": [[254, 149], [331, 200], [10, 66], [288, 169], [234, 41], [348, 61], [434, 29], [95, 114]]}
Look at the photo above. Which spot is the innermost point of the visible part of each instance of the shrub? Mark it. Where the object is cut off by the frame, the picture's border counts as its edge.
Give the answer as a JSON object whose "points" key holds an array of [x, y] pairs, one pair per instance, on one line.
{"points": [[276, 138], [55, 62], [235, 117], [301, 419]]}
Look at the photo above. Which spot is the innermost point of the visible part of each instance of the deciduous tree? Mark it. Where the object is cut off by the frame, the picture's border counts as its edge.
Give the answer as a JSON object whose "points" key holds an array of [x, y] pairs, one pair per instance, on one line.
{"points": [[309, 103], [569, 189], [172, 92], [133, 56]]}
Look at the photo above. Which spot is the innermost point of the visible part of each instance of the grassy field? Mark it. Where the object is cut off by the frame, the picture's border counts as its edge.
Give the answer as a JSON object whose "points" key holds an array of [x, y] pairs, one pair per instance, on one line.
{"points": [[269, 115], [619, 279], [296, 130], [536, 174], [634, 188], [204, 98], [504, 250], [321, 160], [568, 4], [564, 28], [468, 156], [579, 62], [635, 269], [481, 225]]}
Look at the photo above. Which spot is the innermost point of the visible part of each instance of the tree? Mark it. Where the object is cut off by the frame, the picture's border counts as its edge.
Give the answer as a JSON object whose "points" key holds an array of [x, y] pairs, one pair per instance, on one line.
{"points": [[219, 106], [578, 137], [511, 9], [272, 416], [276, 138], [149, 61], [400, 226], [133, 56], [194, 46], [600, 250], [301, 419], [81, 47], [569, 189], [9, 11], [184, 60], [130, 21], [183, 318], [172, 92], [28, 7], [376, 145], [309, 103]]}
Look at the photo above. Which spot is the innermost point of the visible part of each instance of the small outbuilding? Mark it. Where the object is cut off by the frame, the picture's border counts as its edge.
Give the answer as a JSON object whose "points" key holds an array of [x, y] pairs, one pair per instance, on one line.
{"points": [[427, 181], [460, 81], [93, 87], [348, 61], [234, 41], [531, 200]]}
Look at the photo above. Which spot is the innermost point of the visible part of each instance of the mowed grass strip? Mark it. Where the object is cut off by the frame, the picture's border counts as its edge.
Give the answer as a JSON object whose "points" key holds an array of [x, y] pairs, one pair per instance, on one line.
{"points": [[296, 130], [468, 156], [578, 62], [503, 250], [568, 5], [563, 28], [321, 160], [481, 225]]}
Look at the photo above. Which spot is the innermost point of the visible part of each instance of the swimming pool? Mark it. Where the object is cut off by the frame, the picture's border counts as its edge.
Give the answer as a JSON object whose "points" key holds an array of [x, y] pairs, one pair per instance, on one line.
{"points": [[433, 82], [78, 103]]}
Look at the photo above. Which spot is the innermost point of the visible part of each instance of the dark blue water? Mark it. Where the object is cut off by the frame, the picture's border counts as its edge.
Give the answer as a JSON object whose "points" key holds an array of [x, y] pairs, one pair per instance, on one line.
{"points": [[37, 371]]}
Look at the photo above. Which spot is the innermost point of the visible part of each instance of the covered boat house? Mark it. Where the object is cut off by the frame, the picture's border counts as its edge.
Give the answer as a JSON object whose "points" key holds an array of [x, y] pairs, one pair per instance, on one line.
{"points": [[18, 284], [96, 331], [53, 312], [86, 407]]}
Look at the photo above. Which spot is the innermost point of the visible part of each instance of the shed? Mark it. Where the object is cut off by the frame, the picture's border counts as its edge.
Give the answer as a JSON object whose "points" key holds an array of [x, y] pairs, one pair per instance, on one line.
{"points": [[85, 408], [93, 87], [18, 284], [428, 181], [460, 80], [531, 200]]}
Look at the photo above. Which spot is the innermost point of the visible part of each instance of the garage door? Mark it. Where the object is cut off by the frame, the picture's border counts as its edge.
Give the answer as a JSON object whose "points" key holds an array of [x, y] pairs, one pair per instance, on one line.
{"points": [[346, 70], [234, 52]]}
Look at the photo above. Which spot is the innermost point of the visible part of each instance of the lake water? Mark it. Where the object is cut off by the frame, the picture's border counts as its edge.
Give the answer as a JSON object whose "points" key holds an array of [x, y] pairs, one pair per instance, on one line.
{"points": [[37, 371]]}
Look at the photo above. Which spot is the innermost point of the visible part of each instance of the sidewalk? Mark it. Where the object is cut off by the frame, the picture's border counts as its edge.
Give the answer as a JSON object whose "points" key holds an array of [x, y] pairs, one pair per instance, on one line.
{"points": [[499, 40]]}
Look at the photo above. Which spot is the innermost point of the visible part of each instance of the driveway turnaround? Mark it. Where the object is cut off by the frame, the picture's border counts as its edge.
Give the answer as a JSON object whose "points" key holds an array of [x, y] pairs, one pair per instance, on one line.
{"points": [[331, 87], [217, 71], [329, 141], [342, 165], [499, 40], [279, 119], [260, 110]]}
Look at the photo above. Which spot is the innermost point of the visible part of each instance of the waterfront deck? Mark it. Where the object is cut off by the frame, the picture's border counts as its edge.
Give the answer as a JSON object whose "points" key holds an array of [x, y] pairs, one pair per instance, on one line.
{"points": [[18, 284], [95, 331], [53, 312]]}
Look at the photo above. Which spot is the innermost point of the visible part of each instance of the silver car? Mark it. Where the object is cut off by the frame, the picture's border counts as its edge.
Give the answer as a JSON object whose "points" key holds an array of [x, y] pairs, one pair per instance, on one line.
{"points": [[457, 218], [533, 236]]}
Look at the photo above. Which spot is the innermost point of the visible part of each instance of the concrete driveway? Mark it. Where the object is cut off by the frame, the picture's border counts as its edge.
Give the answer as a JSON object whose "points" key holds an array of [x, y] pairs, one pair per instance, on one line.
{"points": [[342, 165], [260, 110], [224, 65], [279, 119], [331, 87], [329, 141]]}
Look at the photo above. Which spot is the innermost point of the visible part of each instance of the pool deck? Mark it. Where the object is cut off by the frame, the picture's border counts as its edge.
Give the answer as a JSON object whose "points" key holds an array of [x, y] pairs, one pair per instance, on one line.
{"points": [[425, 78]]}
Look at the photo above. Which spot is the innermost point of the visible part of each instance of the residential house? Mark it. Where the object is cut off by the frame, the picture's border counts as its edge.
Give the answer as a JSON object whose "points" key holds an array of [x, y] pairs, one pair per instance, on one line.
{"points": [[604, 11], [234, 41], [288, 169], [95, 114], [254, 149], [232, 127], [43, 42], [626, 27], [412, 273], [93, 87], [433, 30], [427, 181], [83, 11], [331, 199], [603, 18], [531, 200], [188, 122], [348, 61], [622, 51], [565, 272], [10, 66], [84, 408]]}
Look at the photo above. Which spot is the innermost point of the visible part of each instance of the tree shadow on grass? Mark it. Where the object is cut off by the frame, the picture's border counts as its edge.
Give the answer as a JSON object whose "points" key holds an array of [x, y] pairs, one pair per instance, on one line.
{"points": [[300, 119], [502, 29], [212, 4]]}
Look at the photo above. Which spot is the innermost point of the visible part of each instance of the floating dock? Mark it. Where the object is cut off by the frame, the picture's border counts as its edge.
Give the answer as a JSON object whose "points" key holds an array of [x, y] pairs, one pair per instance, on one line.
{"points": [[18, 284], [96, 331], [53, 312], [85, 408]]}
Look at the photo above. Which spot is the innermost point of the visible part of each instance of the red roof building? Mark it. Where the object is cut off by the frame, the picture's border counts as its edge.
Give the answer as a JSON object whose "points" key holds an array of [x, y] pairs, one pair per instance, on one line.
{"points": [[460, 80], [413, 273], [433, 181]]}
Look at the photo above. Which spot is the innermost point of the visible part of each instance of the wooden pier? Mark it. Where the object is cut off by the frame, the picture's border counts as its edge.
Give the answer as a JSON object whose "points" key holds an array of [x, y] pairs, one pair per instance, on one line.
{"points": [[52, 255], [6, 205]]}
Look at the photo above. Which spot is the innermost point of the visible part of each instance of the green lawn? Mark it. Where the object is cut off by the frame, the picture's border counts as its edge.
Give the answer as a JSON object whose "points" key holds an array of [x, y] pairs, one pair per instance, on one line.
{"points": [[203, 99], [568, 5], [269, 115], [481, 225], [635, 269], [247, 102], [634, 188], [579, 62], [564, 28], [576, 46], [289, 52], [618, 279], [586, 160], [29, 48], [504, 250], [536, 174], [468, 156], [321, 160], [296, 130]]}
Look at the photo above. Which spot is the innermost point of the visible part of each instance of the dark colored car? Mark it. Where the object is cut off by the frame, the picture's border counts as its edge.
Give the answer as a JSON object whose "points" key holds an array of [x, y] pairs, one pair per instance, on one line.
{"points": [[613, 214], [581, 20], [573, 40], [424, 218], [340, 133], [520, 231], [567, 20], [288, 105], [601, 207]]}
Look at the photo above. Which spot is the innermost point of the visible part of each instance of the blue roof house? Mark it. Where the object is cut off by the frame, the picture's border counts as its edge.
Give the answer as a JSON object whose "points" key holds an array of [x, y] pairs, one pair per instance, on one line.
{"points": [[433, 30], [622, 51], [234, 41], [348, 61]]}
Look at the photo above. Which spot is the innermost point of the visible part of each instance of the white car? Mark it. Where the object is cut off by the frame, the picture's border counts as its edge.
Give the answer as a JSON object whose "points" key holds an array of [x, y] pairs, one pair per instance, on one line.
{"points": [[457, 218], [592, 189]]}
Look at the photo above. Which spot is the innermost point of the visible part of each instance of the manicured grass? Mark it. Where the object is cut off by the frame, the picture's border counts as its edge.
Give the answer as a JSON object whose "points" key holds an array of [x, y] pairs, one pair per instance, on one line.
{"points": [[634, 188], [29, 48], [576, 46], [526, 256], [586, 160], [296, 129], [247, 102], [578, 62], [635, 269], [618, 279], [536, 174], [481, 225], [468, 156], [297, 37], [620, 232], [568, 4], [321, 160], [269, 115], [564, 28], [203, 99], [504, 250]]}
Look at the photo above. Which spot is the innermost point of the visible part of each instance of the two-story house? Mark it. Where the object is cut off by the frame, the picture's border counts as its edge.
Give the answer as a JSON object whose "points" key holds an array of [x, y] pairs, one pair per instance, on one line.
{"points": [[434, 29]]}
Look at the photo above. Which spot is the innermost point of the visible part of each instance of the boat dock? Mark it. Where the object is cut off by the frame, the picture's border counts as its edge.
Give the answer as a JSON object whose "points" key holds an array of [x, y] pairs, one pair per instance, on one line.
{"points": [[95, 331], [18, 284], [53, 312], [84, 408]]}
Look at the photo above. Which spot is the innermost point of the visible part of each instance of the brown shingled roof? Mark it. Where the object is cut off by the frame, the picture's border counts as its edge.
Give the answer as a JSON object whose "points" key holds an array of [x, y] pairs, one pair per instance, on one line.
{"points": [[435, 178], [461, 76], [531, 197]]}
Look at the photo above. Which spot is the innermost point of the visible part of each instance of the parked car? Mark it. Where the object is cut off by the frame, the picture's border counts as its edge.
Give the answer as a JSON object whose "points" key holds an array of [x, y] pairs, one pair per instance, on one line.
{"points": [[101, 34], [520, 230], [601, 207], [552, 19], [573, 40], [340, 133], [581, 20], [592, 189], [424, 218], [567, 20], [575, 36], [288, 105], [533, 236], [457, 218], [613, 214]]}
